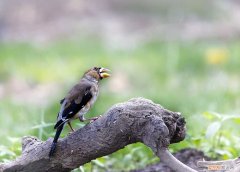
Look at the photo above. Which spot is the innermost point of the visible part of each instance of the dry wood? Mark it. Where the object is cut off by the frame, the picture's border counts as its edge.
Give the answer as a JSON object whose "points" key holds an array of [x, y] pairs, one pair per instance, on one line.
{"points": [[138, 120]]}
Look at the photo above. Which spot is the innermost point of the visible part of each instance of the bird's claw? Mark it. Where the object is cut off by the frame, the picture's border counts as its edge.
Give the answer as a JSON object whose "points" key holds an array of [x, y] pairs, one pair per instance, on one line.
{"points": [[71, 132]]}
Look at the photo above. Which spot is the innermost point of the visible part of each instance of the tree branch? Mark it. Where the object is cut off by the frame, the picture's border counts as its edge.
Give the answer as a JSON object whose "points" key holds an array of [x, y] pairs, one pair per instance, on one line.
{"points": [[138, 120]]}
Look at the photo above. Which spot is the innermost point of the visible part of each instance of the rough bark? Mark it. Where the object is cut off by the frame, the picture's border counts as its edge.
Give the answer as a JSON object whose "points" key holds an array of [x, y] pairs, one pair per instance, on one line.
{"points": [[138, 120]]}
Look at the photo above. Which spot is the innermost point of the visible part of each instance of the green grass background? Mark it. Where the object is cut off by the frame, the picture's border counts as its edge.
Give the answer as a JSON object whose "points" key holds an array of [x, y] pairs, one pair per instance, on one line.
{"points": [[178, 75]]}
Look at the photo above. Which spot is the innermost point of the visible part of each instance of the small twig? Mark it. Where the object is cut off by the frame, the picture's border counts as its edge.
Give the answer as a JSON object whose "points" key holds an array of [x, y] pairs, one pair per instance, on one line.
{"points": [[176, 165]]}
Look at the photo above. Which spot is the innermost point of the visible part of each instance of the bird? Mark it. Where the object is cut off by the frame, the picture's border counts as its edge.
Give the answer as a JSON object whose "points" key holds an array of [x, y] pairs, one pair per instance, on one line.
{"points": [[78, 101]]}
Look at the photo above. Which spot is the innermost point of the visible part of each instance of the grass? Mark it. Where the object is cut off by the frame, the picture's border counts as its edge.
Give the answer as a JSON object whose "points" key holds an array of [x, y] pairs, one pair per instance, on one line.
{"points": [[190, 77]]}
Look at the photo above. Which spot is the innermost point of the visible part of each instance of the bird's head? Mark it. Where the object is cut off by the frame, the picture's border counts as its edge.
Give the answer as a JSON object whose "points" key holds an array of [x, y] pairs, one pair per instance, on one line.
{"points": [[98, 73]]}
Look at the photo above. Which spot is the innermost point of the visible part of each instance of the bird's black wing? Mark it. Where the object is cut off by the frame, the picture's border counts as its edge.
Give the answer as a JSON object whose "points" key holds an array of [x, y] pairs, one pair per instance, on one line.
{"points": [[73, 107]]}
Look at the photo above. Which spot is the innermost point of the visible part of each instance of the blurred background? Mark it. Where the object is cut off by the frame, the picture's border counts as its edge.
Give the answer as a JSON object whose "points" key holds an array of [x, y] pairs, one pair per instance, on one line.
{"points": [[184, 55]]}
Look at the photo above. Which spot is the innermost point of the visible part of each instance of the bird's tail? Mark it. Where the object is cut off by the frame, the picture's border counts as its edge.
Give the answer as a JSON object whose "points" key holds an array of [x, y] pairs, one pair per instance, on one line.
{"points": [[54, 143], [60, 123]]}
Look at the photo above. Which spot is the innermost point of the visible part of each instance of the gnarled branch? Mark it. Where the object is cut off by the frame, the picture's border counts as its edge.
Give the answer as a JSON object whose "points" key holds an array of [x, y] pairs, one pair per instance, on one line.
{"points": [[138, 120]]}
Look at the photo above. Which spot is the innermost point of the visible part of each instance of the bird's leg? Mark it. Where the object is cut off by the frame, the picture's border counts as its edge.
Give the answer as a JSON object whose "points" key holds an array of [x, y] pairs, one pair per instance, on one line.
{"points": [[70, 126], [82, 119]]}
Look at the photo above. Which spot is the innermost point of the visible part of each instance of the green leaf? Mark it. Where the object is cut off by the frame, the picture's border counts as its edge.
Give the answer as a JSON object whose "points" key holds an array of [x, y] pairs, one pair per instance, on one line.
{"points": [[211, 115], [14, 139], [197, 141], [233, 117], [236, 120], [212, 129], [81, 169], [43, 125], [98, 163], [223, 153]]}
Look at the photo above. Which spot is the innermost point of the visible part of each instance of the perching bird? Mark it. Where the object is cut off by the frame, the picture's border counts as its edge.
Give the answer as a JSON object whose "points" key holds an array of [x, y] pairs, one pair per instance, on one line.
{"points": [[78, 101]]}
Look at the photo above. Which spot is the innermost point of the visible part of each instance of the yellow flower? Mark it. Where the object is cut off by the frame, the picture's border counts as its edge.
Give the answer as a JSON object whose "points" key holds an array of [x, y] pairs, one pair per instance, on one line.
{"points": [[216, 56]]}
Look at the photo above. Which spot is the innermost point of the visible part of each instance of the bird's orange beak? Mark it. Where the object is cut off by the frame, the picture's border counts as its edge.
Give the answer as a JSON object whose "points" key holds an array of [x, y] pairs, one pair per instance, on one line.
{"points": [[104, 73]]}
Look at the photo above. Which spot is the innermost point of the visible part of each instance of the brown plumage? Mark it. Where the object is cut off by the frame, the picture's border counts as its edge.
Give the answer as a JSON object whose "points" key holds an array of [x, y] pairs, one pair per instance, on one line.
{"points": [[79, 100]]}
